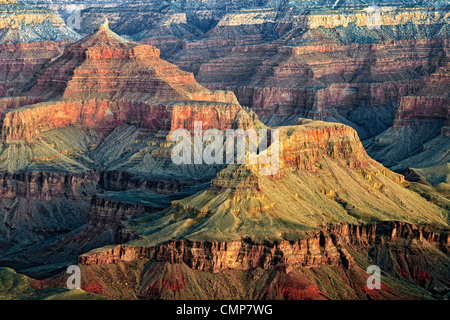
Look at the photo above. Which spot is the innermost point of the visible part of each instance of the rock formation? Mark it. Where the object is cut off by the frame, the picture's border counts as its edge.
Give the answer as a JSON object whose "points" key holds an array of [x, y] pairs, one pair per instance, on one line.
{"points": [[87, 175], [328, 198], [29, 38], [311, 59], [98, 118], [418, 140]]}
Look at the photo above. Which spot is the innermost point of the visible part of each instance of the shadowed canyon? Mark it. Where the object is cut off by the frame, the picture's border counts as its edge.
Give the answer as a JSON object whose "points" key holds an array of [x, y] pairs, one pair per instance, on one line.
{"points": [[93, 92]]}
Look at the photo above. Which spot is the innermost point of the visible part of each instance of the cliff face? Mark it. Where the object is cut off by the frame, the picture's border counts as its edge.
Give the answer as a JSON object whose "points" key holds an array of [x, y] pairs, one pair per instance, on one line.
{"points": [[22, 23], [88, 68], [29, 38], [88, 142], [332, 248], [318, 248], [98, 118], [417, 140], [308, 144], [250, 224], [386, 81], [94, 93], [241, 200], [47, 185], [108, 213]]}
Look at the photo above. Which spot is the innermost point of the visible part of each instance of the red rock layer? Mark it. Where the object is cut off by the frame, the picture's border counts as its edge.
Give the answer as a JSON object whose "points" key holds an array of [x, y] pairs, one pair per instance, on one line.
{"points": [[430, 103], [20, 62], [316, 249], [103, 115], [104, 80], [322, 77]]}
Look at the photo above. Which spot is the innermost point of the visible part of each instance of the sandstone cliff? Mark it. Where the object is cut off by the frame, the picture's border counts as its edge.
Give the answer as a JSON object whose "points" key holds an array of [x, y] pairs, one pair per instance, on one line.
{"points": [[86, 160], [282, 270]]}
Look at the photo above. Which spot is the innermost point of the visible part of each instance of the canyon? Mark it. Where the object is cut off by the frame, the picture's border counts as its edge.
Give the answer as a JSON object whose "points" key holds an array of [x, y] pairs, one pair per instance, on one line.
{"points": [[29, 38], [309, 59], [60, 142], [85, 156]]}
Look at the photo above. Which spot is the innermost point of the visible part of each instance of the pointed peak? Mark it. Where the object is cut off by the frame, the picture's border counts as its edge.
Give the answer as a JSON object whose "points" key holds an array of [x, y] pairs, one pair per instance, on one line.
{"points": [[104, 26], [103, 36]]}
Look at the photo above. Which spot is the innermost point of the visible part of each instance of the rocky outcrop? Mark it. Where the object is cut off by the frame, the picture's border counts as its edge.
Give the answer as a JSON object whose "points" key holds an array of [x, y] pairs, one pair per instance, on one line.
{"points": [[48, 185], [103, 115], [318, 248], [122, 181], [333, 248], [413, 109], [414, 142], [88, 68], [89, 142], [23, 23]]}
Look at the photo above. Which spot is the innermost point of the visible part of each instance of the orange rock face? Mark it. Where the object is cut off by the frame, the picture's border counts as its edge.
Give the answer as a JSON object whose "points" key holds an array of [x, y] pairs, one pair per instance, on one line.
{"points": [[103, 81], [305, 148], [332, 246]]}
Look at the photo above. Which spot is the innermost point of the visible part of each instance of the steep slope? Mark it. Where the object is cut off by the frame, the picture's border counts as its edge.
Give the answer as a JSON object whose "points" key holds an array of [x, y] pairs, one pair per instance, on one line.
{"points": [[330, 209], [419, 140], [96, 119]]}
